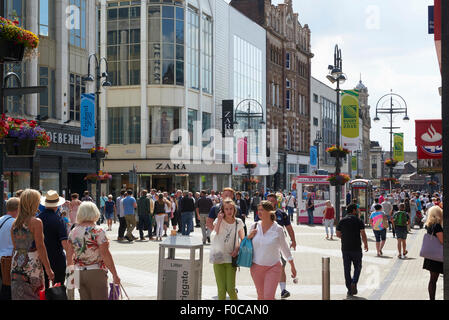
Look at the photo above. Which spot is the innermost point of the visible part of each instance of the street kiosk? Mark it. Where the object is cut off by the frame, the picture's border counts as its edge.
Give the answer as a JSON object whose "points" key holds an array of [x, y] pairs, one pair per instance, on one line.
{"points": [[362, 190]]}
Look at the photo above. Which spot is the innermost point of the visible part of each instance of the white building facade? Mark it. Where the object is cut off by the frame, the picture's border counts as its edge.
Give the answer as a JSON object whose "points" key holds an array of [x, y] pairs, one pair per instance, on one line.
{"points": [[171, 63]]}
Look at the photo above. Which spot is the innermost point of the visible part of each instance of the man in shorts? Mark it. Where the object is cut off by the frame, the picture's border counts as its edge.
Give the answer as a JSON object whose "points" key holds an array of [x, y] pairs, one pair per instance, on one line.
{"points": [[283, 220], [400, 221]]}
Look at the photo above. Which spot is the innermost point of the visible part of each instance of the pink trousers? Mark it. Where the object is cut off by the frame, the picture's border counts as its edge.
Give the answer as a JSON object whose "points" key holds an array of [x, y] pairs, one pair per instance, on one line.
{"points": [[266, 280]]}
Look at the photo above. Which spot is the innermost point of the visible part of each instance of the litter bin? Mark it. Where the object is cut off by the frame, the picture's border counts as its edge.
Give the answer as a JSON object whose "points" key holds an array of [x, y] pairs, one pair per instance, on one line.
{"points": [[180, 278]]}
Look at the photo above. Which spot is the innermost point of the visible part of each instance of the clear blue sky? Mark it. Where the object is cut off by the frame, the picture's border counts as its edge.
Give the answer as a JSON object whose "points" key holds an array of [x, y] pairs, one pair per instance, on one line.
{"points": [[386, 41]]}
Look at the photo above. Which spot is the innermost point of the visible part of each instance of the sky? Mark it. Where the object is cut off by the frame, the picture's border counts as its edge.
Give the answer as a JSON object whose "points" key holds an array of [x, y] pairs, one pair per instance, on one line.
{"points": [[386, 43]]}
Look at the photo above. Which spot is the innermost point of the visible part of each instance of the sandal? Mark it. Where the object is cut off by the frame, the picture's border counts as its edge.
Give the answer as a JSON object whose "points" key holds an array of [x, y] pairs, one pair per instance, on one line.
{"points": [[399, 256], [405, 253]]}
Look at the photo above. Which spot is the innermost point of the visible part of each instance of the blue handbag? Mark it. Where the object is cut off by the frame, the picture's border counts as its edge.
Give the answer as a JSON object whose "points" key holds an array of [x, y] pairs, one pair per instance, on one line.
{"points": [[245, 258]]}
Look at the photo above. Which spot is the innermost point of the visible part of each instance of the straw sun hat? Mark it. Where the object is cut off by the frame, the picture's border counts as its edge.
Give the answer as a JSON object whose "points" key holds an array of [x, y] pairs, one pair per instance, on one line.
{"points": [[52, 200]]}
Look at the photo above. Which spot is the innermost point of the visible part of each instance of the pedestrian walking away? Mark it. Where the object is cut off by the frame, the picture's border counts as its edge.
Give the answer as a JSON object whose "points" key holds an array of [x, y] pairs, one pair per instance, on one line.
{"points": [[29, 253], [109, 211], [159, 215], [310, 208], [400, 222], [129, 204], [227, 235], [203, 206], [269, 243], [121, 216], [291, 204], [283, 220], [379, 222], [6, 246], [55, 236], [88, 253], [351, 231], [145, 206], [434, 227]]}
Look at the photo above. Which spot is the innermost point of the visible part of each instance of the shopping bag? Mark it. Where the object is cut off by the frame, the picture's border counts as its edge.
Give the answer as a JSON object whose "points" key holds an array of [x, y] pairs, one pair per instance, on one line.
{"points": [[114, 292], [216, 253], [245, 258], [431, 248], [56, 293]]}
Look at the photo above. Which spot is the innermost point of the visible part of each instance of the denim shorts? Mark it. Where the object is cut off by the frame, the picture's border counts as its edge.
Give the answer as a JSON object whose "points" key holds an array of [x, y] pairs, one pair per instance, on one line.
{"points": [[401, 232], [380, 235]]}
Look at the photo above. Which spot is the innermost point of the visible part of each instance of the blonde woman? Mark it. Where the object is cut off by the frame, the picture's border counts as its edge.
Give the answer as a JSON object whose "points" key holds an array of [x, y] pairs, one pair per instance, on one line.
{"points": [[88, 251], [268, 243], [29, 254], [225, 245], [434, 226]]}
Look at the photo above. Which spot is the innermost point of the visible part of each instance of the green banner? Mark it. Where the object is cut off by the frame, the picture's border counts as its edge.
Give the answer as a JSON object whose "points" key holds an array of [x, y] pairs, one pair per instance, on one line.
{"points": [[350, 120], [398, 147], [354, 163]]}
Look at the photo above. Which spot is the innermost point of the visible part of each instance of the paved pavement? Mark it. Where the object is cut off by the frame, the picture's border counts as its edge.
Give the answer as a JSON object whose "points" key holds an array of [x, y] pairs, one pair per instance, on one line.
{"points": [[382, 278]]}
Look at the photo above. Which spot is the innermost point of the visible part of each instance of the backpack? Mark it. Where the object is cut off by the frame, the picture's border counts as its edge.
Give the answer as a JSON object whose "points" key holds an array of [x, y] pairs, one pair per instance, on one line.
{"points": [[400, 219]]}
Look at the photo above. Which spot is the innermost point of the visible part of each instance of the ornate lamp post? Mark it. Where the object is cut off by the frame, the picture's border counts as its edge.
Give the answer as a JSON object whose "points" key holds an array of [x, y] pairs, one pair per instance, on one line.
{"points": [[248, 115], [98, 84], [397, 105], [336, 75], [318, 140]]}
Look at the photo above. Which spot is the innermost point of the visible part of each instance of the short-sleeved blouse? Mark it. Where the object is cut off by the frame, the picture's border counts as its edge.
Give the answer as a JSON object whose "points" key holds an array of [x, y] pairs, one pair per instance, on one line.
{"points": [[86, 243]]}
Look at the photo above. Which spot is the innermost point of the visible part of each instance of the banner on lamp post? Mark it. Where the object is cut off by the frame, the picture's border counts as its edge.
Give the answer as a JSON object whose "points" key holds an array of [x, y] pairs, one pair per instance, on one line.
{"points": [[87, 114], [398, 151], [350, 120], [354, 165], [313, 159]]}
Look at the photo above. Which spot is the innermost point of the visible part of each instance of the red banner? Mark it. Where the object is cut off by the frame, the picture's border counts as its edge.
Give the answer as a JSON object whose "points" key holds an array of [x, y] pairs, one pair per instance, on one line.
{"points": [[428, 133], [430, 152]]}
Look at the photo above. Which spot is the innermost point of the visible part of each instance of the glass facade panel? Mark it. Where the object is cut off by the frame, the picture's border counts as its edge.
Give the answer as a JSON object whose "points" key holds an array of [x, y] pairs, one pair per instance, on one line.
{"points": [[123, 44], [78, 36], [77, 87], [207, 53], [163, 120], [191, 122], [49, 181], [193, 52], [166, 44], [124, 125], [329, 127]]}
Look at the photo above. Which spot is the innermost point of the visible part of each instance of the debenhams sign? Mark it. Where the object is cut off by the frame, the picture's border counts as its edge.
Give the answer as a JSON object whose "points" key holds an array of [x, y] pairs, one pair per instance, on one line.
{"points": [[67, 137]]}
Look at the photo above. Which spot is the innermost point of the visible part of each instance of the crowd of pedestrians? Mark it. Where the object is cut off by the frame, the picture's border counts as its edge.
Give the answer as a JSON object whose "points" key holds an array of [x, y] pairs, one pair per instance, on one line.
{"points": [[46, 240]]}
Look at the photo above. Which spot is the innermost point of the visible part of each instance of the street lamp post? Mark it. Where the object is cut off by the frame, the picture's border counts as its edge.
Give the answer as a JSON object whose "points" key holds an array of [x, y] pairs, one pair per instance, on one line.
{"points": [[397, 105], [318, 140], [336, 75], [98, 78], [248, 115]]}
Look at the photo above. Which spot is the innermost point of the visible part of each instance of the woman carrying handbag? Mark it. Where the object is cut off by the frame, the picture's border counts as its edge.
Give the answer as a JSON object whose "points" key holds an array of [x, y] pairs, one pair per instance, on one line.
{"points": [[433, 242], [225, 246]]}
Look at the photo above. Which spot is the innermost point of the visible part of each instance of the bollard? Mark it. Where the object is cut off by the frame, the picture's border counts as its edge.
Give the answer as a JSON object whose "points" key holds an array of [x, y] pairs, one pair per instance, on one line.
{"points": [[326, 278]]}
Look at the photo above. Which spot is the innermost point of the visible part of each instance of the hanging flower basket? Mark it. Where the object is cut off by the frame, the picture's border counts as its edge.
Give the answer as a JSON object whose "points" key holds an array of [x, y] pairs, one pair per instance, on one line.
{"points": [[252, 180], [16, 147], [102, 152], [338, 180], [15, 42], [358, 177], [102, 177], [432, 183], [337, 152], [392, 180], [250, 165], [390, 163], [21, 137]]}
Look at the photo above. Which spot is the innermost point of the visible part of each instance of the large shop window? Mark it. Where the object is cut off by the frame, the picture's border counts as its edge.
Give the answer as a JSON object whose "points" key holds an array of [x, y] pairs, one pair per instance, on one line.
{"points": [[124, 125], [123, 43], [207, 54], [16, 181], [206, 125], [166, 44], [47, 98], [193, 48], [49, 181], [78, 35], [77, 88], [163, 120]]}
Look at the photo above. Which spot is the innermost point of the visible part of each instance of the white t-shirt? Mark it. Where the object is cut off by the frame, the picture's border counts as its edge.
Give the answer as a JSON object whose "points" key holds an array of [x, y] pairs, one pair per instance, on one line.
{"points": [[223, 242], [291, 201]]}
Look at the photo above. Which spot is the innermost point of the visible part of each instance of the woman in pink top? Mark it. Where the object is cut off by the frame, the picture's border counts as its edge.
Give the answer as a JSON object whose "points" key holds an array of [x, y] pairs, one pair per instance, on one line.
{"points": [[73, 206]]}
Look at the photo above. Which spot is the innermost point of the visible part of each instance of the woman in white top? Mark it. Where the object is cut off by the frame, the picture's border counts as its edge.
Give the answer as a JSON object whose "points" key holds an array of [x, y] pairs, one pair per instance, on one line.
{"points": [[225, 245], [268, 243]]}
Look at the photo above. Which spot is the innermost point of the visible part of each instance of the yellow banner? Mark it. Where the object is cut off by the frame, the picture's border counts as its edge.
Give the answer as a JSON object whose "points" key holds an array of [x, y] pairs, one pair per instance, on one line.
{"points": [[350, 120], [398, 147]]}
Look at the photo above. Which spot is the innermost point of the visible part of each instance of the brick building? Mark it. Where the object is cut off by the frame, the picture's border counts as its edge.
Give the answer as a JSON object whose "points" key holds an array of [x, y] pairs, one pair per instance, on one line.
{"points": [[288, 85]]}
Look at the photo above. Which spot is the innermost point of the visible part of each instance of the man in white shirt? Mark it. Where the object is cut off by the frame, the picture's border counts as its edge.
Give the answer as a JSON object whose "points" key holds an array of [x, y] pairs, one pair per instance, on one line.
{"points": [[6, 245]]}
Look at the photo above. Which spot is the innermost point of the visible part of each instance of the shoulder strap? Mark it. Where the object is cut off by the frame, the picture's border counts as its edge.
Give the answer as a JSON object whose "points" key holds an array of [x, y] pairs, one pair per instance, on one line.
{"points": [[5, 221]]}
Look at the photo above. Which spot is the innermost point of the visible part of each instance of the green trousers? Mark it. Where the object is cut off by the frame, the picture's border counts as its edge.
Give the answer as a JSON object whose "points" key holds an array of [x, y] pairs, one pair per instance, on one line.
{"points": [[225, 278]]}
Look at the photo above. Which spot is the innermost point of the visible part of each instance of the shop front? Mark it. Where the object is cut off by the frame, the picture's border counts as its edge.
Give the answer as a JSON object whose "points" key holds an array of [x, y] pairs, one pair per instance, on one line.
{"points": [[165, 175], [60, 167]]}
